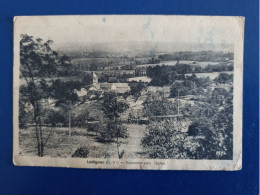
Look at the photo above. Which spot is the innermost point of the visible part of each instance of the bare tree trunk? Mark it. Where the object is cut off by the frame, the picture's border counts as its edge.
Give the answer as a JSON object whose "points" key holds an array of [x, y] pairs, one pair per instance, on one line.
{"points": [[117, 144], [47, 139], [37, 137], [38, 128], [69, 122], [117, 139], [41, 140]]}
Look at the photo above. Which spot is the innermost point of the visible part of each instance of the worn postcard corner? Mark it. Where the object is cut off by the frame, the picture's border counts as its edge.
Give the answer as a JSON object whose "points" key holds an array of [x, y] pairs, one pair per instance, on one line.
{"points": [[128, 92]]}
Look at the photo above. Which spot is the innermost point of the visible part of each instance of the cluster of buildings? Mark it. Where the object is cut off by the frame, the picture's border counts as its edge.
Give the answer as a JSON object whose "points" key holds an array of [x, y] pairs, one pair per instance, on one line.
{"points": [[96, 89]]}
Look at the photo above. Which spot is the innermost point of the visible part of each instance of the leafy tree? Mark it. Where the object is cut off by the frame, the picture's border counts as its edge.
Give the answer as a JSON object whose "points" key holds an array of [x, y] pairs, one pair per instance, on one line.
{"points": [[103, 78], [54, 117], [190, 86], [64, 91], [80, 120], [136, 89], [180, 89], [65, 61], [212, 127], [65, 66], [159, 74], [224, 78], [182, 68], [112, 109], [206, 138], [157, 107], [203, 82], [164, 140], [87, 79], [37, 62]]}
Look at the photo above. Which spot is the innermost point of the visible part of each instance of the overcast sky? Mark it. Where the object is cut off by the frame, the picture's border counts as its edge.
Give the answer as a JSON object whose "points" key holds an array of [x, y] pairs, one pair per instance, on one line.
{"points": [[85, 29]]}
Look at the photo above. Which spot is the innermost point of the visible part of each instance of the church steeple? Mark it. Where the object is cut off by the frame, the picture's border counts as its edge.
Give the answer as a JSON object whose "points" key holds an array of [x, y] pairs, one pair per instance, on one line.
{"points": [[95, 78]]}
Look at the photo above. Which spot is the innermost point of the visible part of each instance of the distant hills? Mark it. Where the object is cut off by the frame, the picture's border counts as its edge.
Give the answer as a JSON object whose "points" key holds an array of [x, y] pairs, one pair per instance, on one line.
{"points": [[140, 47]]}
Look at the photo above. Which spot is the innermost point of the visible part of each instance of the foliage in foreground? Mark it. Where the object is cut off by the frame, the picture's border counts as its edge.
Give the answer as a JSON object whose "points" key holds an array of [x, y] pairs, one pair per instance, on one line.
{"points": [[81, 152], [209, 136], [164, 140]]}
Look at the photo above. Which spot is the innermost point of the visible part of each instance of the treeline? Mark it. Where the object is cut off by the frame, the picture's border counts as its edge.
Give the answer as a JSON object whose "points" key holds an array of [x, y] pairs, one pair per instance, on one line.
{"points": [[197, 56], [165, 75]]}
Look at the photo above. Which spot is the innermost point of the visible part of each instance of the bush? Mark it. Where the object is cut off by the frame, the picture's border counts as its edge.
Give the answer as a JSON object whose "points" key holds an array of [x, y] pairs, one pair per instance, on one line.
{"points": [[193, 129], [81, 152]]}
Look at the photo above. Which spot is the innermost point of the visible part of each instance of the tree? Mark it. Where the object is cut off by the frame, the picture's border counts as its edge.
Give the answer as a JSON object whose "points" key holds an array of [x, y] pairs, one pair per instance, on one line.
{"points": [[54, 117], [136, 89], [112, 109], [87, 79], [80, 120], [206, 137], [65, 66], [37, 62], [212, 127], [65, 61], [64, 91], [164, 140], [224, 78], [160, 75], [179, 88], [157, 107]]}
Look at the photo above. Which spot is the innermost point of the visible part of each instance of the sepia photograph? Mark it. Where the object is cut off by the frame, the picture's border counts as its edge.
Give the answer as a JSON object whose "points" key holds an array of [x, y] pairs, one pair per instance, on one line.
{"points": [[128, 92]]}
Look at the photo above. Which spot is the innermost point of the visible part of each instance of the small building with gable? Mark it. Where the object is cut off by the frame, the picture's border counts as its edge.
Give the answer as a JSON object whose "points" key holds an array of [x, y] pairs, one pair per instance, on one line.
{"points": [[96, 89]]}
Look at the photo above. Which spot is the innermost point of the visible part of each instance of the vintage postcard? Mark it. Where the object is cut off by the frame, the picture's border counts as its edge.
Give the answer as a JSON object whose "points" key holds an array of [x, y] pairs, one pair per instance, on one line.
{"points": [[128, 92]]}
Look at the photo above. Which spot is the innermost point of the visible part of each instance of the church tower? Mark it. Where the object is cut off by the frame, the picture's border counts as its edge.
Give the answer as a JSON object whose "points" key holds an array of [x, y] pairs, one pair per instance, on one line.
{"points": [[95, 78]]}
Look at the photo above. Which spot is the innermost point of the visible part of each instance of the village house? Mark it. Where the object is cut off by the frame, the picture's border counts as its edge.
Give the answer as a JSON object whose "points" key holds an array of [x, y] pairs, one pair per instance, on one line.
{"points": [[81, 93], [96, 89], [141, 71]]}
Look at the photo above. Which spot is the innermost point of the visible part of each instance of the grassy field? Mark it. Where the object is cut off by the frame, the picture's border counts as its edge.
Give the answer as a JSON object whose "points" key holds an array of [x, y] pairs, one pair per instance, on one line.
{"points": [[62, 145]]}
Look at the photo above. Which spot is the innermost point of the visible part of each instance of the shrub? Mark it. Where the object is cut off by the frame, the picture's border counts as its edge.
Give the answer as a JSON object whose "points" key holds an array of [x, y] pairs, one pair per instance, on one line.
{"points": [[193, 129], [81, 152]]}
